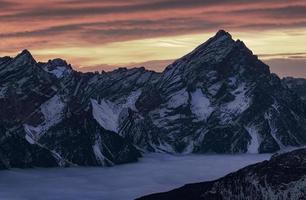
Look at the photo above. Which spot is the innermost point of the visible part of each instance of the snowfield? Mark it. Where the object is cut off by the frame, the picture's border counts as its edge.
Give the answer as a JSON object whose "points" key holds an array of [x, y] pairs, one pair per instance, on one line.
{"points": [[153, 173]]}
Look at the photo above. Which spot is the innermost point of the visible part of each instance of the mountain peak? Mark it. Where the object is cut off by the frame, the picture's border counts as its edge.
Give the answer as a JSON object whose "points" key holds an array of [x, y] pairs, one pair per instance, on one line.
{"points": [[58, 62], [215, 49], [222, 33], [57, 67], [25, 53], [24, 57]]}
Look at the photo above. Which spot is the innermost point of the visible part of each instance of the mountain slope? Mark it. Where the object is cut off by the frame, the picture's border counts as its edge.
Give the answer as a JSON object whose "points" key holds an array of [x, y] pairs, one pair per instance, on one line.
{"points": [[282, 177], [46, 109], [298, 85], [219, 98]]}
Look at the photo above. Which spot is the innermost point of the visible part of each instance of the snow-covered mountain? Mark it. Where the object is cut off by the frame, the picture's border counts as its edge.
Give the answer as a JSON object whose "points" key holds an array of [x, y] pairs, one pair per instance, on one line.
{"points": [[282, 177], [218, 98], [50, 115]]}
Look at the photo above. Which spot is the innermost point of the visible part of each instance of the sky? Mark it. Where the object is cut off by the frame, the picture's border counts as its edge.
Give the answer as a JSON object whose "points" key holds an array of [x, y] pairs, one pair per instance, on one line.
{"points": [[105, 34]]}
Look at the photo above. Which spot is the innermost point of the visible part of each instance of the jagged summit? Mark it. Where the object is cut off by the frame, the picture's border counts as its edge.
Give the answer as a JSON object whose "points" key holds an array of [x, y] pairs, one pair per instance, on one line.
{"points": [[57, 62], [213, 51], [219, 98], [222, 32], [220, 35], [25, 52], [218, 58], [237, 94], [58, 67], [25, 56]]}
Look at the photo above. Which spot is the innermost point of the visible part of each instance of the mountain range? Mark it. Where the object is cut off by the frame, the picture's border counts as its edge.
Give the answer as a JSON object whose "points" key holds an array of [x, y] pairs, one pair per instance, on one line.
{"points": [[220, 98]]}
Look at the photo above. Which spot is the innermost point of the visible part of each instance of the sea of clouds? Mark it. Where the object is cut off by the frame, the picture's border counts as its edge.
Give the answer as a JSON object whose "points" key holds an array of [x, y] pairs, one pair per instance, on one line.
{"points": [[153, 173]]}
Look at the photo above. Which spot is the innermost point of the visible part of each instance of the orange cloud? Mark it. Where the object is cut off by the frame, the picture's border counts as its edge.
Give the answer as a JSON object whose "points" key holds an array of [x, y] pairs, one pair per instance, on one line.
{"points": [[108, 32]]}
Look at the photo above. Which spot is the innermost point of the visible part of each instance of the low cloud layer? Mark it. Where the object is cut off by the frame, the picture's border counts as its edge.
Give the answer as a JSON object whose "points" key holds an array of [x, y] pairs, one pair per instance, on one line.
{"points": [[154, 173]]}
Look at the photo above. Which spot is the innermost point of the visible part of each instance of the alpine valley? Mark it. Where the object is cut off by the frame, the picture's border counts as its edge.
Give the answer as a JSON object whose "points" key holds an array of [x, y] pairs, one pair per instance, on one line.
{"points": [[220, 98]]}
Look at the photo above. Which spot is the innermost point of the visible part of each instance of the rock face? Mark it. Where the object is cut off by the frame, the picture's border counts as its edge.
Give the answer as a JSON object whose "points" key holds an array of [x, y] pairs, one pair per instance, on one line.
{"points": [[282, 177], [50, 115], [218, 98], [298, 85]]}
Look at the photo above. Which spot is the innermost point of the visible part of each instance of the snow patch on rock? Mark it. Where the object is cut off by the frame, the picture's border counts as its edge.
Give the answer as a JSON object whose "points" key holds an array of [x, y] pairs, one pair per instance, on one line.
{"points": [[241, 101], [131, 99], [273, 129], [58, 71], [97, 149], [52, 111], [254, 144], [200, 105], [106, 114]]}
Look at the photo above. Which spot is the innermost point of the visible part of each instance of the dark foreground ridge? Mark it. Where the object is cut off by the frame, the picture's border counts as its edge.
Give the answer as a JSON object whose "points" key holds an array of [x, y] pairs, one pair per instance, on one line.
{"points": [[282, 177], [218, 98]]}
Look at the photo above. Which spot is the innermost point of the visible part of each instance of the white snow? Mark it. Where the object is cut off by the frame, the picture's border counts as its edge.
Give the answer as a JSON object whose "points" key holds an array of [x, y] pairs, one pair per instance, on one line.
{"points": [[97, 148], [254, 144], [154, 173], [106, 114], [240, 103], [59, 71], [52, 111], [200, 105], [98, 153], [217, 50], [273, 129]]}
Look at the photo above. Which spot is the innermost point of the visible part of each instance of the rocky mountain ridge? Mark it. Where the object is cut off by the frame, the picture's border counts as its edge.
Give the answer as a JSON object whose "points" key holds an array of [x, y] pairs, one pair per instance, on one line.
{"points": [[298, 85], [219, 98]]}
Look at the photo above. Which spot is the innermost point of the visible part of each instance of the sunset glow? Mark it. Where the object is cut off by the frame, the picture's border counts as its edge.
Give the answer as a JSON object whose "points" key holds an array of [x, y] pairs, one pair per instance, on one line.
{"points": [[107, 34]]}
